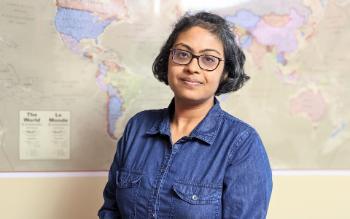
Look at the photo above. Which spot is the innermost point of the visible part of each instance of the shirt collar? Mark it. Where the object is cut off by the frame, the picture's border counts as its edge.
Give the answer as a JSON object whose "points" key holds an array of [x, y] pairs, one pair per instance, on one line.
{"points": [[205, 131]]}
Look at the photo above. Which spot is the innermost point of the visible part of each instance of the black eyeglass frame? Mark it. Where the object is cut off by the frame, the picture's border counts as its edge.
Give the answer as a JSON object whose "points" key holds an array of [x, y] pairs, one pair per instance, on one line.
{"points": [[194, 56]]}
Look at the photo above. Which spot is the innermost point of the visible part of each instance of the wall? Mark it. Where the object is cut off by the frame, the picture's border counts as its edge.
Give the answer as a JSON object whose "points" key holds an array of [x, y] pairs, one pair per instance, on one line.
{"points": [[75, 197]]}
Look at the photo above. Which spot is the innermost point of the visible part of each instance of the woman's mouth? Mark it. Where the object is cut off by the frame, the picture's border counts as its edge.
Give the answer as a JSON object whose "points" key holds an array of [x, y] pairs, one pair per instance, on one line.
{"points": [[191, 82]]}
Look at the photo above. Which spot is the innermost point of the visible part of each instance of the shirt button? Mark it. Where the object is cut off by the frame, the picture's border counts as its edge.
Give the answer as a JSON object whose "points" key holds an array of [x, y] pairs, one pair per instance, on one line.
{"points": [[194, 197], [154, 215]]}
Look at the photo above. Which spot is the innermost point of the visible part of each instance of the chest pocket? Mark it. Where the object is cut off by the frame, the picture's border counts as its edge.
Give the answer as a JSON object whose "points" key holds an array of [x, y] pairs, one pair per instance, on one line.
{"points": [[127, 190], [196, 201]]}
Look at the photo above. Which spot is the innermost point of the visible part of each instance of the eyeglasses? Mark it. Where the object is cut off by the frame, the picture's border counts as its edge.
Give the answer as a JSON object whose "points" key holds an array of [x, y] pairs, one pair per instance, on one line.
{"points": [[205, 62]]}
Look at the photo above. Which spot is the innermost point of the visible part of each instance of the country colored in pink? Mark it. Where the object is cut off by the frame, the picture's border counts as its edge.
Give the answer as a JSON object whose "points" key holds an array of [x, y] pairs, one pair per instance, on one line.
{"points": [[276, 20], [309, 103], [101, 74], [280, 34], [292, 77], [112, 65], [257, 52], [72, 44], [109, 9]]}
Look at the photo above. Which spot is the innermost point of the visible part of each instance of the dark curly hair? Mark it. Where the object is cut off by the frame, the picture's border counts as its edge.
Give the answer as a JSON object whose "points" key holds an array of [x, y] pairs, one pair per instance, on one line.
{"points": [[235, 76]]}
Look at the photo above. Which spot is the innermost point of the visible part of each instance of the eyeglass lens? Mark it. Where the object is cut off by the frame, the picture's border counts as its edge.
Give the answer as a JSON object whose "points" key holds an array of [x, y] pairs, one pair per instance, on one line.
{"points": [[206, 62]]}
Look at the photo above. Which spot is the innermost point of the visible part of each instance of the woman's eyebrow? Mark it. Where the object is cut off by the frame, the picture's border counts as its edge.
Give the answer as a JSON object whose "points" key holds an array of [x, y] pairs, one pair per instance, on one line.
{"points": [[204, 50], [184, 45], [210, 50]]}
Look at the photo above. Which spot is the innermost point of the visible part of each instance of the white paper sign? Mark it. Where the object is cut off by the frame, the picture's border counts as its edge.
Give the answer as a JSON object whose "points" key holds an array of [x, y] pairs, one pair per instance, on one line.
{"points": [[44, 135]]}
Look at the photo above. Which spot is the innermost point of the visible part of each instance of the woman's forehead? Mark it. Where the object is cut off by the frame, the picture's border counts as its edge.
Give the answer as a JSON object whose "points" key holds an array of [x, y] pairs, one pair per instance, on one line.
{"points": [[198, 38]]}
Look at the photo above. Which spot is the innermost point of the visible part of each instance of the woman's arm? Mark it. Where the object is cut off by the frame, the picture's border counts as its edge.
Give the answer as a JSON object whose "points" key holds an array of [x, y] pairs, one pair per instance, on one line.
{"points": [[109, 209], [248, 179]]}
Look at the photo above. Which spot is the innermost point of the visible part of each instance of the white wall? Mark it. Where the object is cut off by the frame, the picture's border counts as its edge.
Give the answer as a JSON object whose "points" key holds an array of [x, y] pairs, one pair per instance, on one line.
{"points": [[294, 197]]}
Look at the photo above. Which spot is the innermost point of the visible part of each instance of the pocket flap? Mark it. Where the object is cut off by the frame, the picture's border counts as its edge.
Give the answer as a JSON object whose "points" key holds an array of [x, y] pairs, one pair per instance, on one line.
{"points": [[127, 179], [197, 195]]}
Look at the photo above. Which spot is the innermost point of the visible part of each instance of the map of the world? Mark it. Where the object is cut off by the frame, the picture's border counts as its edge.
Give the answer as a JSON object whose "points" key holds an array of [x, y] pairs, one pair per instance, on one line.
{"points": [[72, 72]]}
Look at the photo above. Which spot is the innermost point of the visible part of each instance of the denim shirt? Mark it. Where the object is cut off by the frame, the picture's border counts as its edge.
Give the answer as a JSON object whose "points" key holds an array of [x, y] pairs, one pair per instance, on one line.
{"points": [[221, 170]]}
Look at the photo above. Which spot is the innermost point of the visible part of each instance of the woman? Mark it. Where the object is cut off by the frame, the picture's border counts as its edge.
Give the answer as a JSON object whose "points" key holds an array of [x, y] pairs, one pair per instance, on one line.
{"points": [[192, 159]]}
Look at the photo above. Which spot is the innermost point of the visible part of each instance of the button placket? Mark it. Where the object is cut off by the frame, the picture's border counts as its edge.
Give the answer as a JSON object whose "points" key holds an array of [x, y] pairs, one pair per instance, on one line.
{"points": [[163, 170]]}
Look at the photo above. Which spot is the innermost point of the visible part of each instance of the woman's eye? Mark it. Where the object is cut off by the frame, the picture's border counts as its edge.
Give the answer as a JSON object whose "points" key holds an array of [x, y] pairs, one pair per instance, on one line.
{"points": [[182, 54], [209, 59]]}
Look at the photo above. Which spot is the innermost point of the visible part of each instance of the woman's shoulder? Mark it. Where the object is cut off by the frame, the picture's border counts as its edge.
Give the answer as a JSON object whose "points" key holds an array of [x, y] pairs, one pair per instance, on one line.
{"points": [[245, 138], [239, 130], [148, 114], [146, 118], [234, 123]]}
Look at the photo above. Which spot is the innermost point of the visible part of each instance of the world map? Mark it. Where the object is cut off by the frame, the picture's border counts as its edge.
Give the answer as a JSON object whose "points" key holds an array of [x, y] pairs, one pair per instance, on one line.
{"points": [[89, 61]]}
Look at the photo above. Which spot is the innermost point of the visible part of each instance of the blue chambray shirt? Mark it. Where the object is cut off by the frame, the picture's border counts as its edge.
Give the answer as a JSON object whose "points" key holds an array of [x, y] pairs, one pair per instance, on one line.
{"points": [[220, 170]]}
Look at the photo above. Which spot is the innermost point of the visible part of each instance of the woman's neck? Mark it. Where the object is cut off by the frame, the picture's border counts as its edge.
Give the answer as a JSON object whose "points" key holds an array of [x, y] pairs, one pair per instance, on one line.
{"points": [[187, 116]]}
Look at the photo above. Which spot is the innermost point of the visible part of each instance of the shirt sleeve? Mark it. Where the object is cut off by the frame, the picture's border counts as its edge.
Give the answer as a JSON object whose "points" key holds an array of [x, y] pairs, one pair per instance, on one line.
{"points": [[247, 180], [109, 209]]}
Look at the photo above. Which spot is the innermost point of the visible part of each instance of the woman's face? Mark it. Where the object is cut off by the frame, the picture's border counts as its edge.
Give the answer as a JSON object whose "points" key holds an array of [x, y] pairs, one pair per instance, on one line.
{"points": [[189, 82]]}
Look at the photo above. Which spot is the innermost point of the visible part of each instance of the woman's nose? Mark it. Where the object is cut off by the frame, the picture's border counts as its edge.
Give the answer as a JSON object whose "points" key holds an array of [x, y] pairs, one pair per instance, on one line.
{"points": [[193, 66]]}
